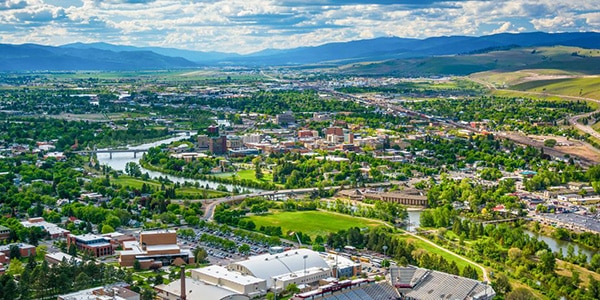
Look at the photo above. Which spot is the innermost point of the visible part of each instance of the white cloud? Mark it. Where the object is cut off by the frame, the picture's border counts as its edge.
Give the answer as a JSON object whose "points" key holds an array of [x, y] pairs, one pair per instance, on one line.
{"points": [[252, 25]]}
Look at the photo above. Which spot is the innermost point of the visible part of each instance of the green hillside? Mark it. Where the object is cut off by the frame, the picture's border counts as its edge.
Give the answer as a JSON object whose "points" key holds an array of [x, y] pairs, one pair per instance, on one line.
{"points": [[570, 59]]}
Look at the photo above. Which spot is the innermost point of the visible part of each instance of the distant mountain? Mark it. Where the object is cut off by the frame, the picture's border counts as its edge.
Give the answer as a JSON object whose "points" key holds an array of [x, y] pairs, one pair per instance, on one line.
{"points": [[102, 56], [195, 56], [31, 57], [397, 48]]}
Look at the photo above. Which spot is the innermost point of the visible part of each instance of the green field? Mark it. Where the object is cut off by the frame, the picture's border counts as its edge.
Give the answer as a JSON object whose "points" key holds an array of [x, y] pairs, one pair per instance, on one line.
{"points": [[577, 87], [312, 223], [186, 192], [249, 174]]}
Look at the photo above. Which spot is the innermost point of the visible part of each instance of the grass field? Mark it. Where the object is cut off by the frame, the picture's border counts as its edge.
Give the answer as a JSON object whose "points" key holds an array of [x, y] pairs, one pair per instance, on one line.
{"points": [[577, 87], [183, 192], [249, 174], [449, 257], [312, 223]]}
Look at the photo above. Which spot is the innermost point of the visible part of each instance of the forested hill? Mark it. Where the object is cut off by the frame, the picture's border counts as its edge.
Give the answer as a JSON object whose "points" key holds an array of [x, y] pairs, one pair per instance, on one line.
{"points": [[102, 56]]}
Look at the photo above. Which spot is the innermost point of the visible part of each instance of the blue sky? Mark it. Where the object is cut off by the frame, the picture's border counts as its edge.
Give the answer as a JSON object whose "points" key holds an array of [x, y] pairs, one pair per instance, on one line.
{"points": [[245, 26]]}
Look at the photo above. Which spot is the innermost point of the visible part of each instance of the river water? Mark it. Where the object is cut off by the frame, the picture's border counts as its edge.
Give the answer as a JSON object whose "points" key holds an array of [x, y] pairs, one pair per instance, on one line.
{"points": [[119, 160], [554, 244]]}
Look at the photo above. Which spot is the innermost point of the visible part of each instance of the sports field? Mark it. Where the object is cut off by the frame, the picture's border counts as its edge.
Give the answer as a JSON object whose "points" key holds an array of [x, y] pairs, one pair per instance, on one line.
{"points": [[312, 223]]}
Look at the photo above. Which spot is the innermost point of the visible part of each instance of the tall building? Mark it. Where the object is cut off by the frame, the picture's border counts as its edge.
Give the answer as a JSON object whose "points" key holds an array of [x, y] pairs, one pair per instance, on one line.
{"points": [[203, 142], [218, 145]]}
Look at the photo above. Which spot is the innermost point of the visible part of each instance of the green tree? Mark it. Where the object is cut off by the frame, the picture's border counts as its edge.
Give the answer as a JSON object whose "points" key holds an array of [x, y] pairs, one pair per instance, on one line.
{"points": [[520, 293], [15, 267], [244, 249], [502, 284], [292, 288], [107, 229]]}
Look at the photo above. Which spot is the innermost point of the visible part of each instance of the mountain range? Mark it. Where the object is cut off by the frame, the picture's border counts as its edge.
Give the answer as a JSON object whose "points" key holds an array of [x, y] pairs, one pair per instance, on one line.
{"points": [[108, 57]]}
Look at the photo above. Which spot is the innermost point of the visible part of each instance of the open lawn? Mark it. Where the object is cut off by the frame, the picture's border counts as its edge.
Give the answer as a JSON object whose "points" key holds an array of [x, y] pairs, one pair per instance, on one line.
{"points": [[312, 223], [250, 174], [186, 192]]}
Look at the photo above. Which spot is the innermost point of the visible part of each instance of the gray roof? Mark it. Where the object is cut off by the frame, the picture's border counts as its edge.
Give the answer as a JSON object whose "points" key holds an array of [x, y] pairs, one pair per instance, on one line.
{"points": [[267, 266], [199, 290], [429, 284]]}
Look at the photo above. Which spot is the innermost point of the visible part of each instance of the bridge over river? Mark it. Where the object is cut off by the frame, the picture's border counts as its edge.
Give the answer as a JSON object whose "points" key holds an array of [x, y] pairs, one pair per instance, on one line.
{"points": [[111, 151]]}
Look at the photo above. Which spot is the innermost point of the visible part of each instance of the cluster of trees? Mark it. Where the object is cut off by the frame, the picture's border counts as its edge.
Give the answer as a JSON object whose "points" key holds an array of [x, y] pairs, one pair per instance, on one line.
{"points": [[382, 210], [28, 131], [428, 89], [275, 102], [529, 115], [40, 281], [401, 250]]}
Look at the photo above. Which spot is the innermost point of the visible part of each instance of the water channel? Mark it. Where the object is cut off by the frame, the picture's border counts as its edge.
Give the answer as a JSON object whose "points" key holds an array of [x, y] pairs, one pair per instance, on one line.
{"points": [[119, 160], [554, 244]]}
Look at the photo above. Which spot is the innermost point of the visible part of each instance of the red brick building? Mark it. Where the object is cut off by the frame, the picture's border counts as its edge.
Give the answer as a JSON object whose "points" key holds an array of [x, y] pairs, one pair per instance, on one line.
{"points": [[94, 244]]}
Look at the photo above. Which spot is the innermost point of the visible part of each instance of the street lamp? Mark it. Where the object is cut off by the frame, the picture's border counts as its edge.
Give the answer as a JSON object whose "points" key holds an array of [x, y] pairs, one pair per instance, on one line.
{"points": [[305, 257]]}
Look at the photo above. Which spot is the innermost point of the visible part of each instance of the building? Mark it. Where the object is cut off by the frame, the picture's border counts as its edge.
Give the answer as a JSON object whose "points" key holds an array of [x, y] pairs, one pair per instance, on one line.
{"points": [[298, 266], [53, 230], [359, 289], [196, 290], [203, 141], [285, 118], [218, 145], [103, 293], [234, 142], [155, 249], [235, 281], [25, 250], [91, 243], [416, 283], [4, 233], [58, 257]]}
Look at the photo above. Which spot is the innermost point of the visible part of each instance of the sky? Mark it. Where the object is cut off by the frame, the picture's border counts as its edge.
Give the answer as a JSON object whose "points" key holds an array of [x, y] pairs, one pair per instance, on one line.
{"points": [[245, 26]]}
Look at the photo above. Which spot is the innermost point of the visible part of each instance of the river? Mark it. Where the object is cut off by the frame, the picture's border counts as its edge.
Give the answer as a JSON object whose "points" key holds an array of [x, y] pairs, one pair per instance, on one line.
{"points": [[554, 244], [119, 160]]}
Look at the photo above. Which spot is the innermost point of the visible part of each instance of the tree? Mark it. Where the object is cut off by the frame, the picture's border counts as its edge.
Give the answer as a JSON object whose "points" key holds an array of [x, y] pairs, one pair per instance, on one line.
{"points": [[200, 255], [136, 265], [520, 293], [244, 249], [502, 284], [15, 267], [107, 229], [550, 143], [292, 288], [14, 251], [469, 272]]}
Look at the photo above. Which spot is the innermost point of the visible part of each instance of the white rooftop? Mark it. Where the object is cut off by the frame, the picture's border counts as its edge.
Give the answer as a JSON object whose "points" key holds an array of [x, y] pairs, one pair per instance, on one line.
{"points": [[221, 272], [199, 290]]}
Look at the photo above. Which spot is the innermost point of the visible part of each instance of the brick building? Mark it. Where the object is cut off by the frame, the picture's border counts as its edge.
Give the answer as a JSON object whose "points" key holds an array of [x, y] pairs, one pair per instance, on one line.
{"points": [[24, 249], [94, 244], [218, 145], [155, 249], [4, 233]]}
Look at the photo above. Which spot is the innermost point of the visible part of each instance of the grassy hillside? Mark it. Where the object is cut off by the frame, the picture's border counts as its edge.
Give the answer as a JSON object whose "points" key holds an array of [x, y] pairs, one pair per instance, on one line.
{"points": [[567, 59], [578, 87]]}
